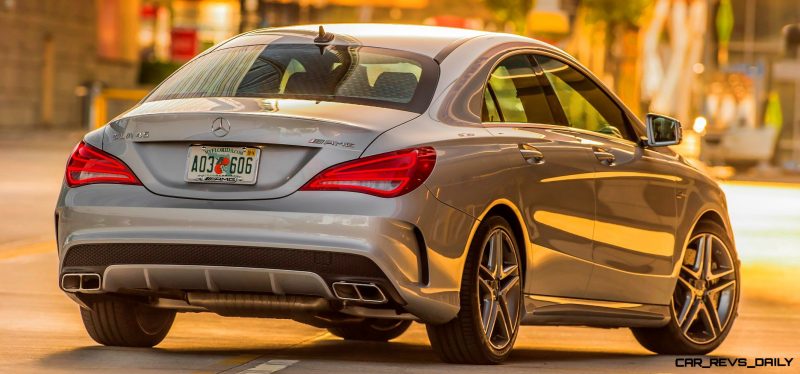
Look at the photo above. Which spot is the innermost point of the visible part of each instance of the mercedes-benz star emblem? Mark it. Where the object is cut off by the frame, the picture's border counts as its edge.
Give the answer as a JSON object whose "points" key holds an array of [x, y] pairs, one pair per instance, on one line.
{"points": [[220, 127]]}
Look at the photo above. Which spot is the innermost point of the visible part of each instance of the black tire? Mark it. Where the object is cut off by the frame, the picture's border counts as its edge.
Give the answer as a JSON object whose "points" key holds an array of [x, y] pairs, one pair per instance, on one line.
{"points": [[371, 329], [126, 324], [464, 339], [670, 339]]}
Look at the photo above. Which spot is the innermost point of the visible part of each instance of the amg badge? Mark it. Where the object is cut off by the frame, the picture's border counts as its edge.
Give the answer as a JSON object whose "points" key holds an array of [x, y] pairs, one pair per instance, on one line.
{"points": [[331, 142]]}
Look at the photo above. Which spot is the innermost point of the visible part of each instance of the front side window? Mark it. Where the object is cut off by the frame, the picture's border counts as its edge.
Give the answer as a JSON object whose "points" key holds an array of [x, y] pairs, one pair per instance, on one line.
{"points": [[514, 94], [305, 71], [585, 104]]}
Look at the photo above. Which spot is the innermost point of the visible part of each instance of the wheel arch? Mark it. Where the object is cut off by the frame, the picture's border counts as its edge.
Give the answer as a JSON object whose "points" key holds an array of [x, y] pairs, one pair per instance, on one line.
{"points": [[711, 215], [707, 215], [506, 209]]}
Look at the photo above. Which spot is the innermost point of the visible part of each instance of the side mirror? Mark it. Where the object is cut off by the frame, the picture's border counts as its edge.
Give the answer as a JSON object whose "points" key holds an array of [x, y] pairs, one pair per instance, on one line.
{"points": [[662, 130]]}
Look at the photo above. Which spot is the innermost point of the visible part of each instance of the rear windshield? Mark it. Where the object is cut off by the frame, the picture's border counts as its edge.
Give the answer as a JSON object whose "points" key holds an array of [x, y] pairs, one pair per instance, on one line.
{"points": [[361, 75]]}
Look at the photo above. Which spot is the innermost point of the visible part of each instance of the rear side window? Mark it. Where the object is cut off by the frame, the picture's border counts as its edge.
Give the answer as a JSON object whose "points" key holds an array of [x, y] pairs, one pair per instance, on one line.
{"points": [[514, 93], [354, 74], [585, 104]]}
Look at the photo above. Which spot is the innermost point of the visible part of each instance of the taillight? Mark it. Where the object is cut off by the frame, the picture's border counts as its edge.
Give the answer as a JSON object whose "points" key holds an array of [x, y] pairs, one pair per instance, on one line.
{"points": [[89, 165], [386, 175]]}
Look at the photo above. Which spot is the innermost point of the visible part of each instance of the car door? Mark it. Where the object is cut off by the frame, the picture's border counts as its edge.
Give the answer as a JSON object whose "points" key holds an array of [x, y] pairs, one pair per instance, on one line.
{"points": [[634, 235], [558, 208]]}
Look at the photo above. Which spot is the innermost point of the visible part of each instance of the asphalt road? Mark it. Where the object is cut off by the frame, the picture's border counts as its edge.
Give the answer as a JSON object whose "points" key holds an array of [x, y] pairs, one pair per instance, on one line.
{"points": [[41, 331]]}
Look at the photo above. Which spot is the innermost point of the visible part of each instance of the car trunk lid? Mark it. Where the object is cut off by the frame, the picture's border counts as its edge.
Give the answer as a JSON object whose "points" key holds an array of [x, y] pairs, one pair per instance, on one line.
{"points": [[297, 138]]}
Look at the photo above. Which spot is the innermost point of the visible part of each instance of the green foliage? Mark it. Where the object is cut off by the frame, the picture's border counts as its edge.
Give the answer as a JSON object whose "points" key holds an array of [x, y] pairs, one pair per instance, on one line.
{"points": [[515, 11], [724, 21], [615, 12]]}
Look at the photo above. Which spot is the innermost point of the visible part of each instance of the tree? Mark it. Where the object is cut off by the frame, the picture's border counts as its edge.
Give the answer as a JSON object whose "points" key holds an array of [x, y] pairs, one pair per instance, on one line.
{"points": [[514, 11], [666, 81], [616, 13], [606, 34]]}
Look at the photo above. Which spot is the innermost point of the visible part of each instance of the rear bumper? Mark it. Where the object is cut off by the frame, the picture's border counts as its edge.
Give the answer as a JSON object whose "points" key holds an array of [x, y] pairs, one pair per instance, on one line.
{"points": [[299, 245], [223, 268]]}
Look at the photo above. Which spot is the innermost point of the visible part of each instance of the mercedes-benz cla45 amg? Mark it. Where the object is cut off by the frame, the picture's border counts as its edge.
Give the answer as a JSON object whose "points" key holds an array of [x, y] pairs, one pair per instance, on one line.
{"points": [[362, 177]]}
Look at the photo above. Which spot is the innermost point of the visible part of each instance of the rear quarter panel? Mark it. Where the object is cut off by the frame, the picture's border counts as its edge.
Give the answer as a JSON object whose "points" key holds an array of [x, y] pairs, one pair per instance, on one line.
{"points": [[470, 160]]}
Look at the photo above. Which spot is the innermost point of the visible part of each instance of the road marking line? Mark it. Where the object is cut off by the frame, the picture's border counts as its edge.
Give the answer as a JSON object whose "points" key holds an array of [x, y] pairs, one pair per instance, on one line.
{"points": [[238, 360], [270, 366], [226, 364], [30, 249], [230, 364]]}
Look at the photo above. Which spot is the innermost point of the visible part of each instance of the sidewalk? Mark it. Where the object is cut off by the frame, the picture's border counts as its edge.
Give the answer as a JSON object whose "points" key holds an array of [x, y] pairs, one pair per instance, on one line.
{"points": [[769, 175], [781, 178], [41, 137]]}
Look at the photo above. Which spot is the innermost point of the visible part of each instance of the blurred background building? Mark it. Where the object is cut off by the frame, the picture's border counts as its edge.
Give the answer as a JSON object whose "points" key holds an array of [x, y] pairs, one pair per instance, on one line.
{"points": [[728, 69], [50, 48]]}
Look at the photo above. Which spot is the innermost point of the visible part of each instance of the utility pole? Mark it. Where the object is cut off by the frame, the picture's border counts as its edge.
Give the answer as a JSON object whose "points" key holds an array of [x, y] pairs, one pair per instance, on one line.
{"points": [[786, 70], [749, 30]]}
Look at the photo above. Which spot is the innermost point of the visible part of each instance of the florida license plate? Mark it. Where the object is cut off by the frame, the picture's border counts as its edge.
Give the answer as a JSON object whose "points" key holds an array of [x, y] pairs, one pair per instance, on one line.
{"points": [[229, 165]]}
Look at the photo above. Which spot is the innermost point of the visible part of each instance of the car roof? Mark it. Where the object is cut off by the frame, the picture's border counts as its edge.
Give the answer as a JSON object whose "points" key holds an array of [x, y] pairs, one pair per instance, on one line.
{"points": [[425, 40]]}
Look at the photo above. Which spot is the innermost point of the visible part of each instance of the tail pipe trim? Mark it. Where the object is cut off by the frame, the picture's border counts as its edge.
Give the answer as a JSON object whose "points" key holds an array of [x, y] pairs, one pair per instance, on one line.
{"points": [[363, 292], [81, 282]]}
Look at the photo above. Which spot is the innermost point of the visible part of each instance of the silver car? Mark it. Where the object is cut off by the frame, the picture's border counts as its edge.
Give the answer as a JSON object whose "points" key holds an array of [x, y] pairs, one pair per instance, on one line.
{"points": [[361, 177]]}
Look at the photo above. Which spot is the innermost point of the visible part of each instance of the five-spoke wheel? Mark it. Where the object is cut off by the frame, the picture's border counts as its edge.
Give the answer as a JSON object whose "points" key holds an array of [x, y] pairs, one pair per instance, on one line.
{"points": [[706, 289], [491, 300], [705, 299], [498, 294]]}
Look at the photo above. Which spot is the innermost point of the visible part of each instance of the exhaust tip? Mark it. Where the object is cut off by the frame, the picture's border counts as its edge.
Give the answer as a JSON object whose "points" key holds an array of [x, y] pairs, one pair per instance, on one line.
{"points": [[90, 282], [81, 282], [71, 282], [371, 293], [362, 292], [345, 291]]}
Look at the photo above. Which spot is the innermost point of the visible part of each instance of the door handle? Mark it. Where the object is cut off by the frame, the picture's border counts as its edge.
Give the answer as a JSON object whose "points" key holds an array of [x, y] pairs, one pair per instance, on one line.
{"points": [[604, 156], [532, 155]]}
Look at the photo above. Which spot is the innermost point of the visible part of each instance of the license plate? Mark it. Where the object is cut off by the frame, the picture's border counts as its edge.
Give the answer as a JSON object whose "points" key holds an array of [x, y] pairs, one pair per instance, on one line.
{"points": [[229, 165]]}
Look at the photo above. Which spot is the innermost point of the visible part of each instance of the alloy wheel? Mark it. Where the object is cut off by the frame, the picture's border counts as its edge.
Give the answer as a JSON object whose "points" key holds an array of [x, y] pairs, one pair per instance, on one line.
{"points": [[704, 299], [499, 289]]}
